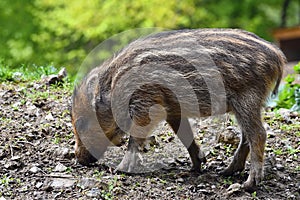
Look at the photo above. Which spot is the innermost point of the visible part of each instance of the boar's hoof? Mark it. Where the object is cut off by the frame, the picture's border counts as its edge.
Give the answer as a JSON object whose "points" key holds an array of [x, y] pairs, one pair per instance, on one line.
{"points": [[203, 160], [232, 168], [197, 162], [131, 163], [249, 186], [254, 179], [87, 160], [196, 169], [84, 157], [197, 166], [226, 172]]}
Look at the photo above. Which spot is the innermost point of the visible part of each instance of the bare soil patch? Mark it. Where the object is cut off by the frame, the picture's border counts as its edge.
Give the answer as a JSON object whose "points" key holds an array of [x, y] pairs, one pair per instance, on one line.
{"points": [[37, 159]]}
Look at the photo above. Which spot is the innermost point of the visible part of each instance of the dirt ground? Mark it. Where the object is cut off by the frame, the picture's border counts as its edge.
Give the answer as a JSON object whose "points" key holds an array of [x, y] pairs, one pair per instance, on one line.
{"points": [[37, 156]]}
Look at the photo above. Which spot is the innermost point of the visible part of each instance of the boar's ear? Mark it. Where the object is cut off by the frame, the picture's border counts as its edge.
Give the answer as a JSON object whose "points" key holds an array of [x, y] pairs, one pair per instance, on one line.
{"points": [[81, 125]]}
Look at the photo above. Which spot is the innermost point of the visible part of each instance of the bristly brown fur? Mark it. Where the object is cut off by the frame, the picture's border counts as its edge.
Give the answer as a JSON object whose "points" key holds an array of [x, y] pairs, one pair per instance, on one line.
{"points": [[249, 66]]}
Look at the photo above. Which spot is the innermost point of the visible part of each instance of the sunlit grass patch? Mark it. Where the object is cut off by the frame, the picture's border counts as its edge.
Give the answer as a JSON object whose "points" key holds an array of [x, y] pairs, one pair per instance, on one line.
{"points": [[25, 72]]}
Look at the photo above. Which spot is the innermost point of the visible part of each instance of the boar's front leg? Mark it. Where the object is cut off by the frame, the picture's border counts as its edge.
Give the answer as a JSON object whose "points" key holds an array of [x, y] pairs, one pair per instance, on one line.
{"points": [[183, 130], [131, 158]]}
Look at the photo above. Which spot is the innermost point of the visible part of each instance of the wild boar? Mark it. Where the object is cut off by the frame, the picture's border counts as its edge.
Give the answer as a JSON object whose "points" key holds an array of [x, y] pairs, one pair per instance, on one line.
{"points": [[172, 76]]}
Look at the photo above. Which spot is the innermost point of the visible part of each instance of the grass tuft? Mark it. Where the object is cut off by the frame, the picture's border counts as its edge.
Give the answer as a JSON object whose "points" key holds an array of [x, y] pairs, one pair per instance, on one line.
{"points": [[25, 73]]}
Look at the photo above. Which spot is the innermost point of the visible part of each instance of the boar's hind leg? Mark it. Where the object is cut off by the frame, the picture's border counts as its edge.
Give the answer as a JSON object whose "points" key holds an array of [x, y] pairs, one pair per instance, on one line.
{"points": [[131, 158], [183, 130], [249, 118]]}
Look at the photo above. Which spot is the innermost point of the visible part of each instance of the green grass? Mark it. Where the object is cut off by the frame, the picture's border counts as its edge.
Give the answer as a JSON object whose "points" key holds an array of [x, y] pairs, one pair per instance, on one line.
{"points": [[56, 139], [228, 181], [5, 180], [25, 73], [108, 193], [254, 195], [98, 174], [278, 151]]}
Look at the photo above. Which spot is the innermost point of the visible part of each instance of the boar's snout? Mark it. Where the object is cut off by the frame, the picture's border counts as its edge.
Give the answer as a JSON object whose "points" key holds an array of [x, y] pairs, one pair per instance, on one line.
{"points": [[89, 147]]}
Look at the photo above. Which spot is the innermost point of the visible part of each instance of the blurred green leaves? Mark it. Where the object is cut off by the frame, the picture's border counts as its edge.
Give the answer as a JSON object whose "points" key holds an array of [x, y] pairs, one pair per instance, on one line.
{"points": [[63, 32], [16, 28], [289, 95], [73, 28]]}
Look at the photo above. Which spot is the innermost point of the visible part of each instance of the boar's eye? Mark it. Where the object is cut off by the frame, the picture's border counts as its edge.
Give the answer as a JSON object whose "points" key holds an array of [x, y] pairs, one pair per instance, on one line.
{"points": [[81, 125]]}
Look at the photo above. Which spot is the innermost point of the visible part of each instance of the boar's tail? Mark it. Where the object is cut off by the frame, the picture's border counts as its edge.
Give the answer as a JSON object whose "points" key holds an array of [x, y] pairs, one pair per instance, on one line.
{"points": [[281, 63], [275, 90]]}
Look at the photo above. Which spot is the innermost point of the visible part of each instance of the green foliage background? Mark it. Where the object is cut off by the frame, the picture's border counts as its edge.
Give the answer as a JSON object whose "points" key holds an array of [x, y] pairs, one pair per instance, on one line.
{"points": [[63, 32], [289, 95]]}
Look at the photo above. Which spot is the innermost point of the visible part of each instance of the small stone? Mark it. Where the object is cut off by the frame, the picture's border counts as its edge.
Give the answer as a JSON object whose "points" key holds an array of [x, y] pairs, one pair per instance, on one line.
{"points": [[32, 110], [284, 111], [87, 183], [204, 191], [39, 185], [233, 188], [51, 79], [34, 169], [55, 79], [27, 124], [49, 117], [192, 188], [62, 182], [2, 153], [17, 104], [17, 76], [294, 114], [169, 188], [279, 167], [60, 168], [170, 161], [62, 152], [229, 136], [271, 134], [205, 150], [94, 192], [12, 165], [16, 158], [24, 188], [69, 124], [31, 107], [201, 186], [37, 194], [62, 74], [219, 158], [180, 180], [57, 195], [65, 151]]}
